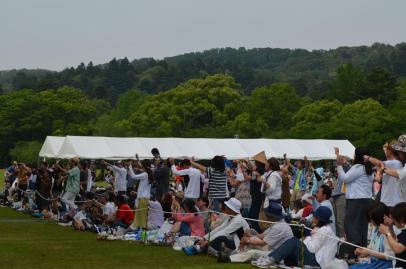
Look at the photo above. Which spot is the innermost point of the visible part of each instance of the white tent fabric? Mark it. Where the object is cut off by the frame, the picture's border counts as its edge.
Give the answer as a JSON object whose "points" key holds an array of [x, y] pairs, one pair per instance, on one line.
{"points": [[51, 146], [88, 147]]}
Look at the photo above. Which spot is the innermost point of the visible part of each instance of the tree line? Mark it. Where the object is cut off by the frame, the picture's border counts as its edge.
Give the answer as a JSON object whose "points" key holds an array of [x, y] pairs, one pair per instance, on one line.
{"points": [[309, 72], [356, 93]]}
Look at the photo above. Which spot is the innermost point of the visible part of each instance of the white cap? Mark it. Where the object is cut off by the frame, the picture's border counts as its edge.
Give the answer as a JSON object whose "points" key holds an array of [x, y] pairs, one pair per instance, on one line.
{"points": [[234, 204]]}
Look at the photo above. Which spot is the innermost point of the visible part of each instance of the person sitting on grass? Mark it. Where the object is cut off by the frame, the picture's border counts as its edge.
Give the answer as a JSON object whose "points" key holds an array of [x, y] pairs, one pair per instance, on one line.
{"points": [[203, 205], [190, 224], [378, 241], [124, 215], [155, 214], [227, 236], [106, 201], [397, 217], [319, 248], [254, 246], [303, 207]]}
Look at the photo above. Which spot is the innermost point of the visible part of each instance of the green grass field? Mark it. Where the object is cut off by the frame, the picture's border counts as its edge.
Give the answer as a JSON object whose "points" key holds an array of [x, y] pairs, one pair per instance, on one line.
{"points": [[28, 243]]}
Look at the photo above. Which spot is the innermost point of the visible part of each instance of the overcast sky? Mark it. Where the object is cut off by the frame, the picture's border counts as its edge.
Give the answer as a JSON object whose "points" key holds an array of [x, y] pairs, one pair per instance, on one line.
{"points": [[55, 34]]}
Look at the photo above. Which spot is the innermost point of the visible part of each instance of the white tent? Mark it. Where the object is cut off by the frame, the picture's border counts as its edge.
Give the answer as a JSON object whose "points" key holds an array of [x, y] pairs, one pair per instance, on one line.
{"points": [[51, 146], [201, 148]]}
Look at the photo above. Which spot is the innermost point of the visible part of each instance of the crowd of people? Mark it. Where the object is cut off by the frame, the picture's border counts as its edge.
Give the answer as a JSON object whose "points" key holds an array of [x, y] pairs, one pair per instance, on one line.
{"points": [[268, 212]]}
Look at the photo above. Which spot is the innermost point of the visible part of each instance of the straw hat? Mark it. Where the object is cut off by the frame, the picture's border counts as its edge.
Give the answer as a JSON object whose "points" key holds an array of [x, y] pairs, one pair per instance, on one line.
{"points": [[260, 157]]}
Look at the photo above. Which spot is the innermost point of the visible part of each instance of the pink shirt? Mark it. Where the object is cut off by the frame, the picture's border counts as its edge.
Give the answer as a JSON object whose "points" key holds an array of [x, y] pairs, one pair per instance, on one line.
{"points": [[195, 222]]}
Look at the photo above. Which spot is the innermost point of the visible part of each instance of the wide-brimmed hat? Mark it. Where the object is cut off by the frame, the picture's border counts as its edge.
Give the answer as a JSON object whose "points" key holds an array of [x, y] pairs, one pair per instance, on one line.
{"points": [[234, 204], [400, 145], [323, 213], [274, 210]]}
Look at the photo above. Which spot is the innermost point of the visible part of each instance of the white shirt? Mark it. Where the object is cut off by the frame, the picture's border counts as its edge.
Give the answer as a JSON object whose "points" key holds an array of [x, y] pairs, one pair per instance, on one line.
{"points": [[228, 229], [402, 183], [120, 174], [358, 183], [195, 177], [274, 192], [390, 194], [33, 178], [324, 247], [297, 215], [144, 188], [109, 209], [326, 203]]}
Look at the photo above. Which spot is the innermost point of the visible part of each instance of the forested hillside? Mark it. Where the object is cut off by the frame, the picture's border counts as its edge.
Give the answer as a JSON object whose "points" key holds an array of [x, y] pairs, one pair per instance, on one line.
{"points": [[355, 93]]}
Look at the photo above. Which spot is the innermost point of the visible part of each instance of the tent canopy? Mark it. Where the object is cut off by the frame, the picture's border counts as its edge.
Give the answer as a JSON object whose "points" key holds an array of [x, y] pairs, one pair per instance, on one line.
{"points": [[115, 148], [51, 146]]}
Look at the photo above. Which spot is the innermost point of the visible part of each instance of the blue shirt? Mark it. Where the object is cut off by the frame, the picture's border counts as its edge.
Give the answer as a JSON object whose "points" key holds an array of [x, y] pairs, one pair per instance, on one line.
{"points": [[302, 179]]}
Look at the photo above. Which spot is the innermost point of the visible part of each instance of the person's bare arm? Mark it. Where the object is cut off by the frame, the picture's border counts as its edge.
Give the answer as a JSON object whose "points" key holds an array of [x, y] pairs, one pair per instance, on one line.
{"points": [[287, 161], [63, 170], [392, 172], [233, 181], [373, 160], [393, 243], [198, 166]]}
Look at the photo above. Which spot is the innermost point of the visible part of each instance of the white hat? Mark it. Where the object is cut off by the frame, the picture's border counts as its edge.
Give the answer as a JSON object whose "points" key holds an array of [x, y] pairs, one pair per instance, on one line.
{"points": [[307, 197], [234, 204]]}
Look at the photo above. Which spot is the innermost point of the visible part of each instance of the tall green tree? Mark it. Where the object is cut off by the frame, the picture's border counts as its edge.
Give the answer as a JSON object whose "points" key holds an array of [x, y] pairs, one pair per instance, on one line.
{"points": [[313, 120], [116, 122], [349, 84], [193, 105], [27, 115], [274, 106], [380, 85], [366, 123]]}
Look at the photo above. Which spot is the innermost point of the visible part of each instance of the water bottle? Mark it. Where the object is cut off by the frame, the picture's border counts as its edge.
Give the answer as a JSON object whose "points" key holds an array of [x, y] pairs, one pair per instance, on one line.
{"points": [[144, 235], [176, 239]]}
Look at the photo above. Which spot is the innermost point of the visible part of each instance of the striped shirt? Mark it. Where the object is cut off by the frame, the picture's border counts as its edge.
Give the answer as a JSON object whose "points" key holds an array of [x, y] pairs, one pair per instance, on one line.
{"points": [[217, 184]]}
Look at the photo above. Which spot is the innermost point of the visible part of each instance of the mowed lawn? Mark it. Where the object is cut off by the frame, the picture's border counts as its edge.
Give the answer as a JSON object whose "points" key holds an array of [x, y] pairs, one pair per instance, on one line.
{"points": [[28, 243]]}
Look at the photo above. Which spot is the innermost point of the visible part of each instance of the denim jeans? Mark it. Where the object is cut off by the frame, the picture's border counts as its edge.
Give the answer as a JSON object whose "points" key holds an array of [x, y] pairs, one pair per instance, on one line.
{"points": [[216, 204], [291, 253], [217, 243], [185, 229]]}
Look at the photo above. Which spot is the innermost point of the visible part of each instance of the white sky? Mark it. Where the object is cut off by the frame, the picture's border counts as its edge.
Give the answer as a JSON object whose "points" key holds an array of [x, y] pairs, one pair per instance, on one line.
{"points": [[55, 34]]}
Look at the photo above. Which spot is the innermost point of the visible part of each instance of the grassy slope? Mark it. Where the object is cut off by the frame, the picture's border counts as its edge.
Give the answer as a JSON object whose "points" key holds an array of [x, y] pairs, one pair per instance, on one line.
{"points": [[46, 245]]}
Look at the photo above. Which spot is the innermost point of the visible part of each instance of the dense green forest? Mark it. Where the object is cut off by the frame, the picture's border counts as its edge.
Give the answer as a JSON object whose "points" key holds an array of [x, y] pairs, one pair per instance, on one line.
{"points": [[355, 93]]}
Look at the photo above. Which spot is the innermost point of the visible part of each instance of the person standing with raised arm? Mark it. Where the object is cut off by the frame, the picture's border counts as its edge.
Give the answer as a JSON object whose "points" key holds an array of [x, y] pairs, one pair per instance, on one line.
{"points": [[120, 175], [192, 190], [298, 182], [217, 175], [73, 182], [398, 173], [390, 193], [358, 183], [145, 178]]}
